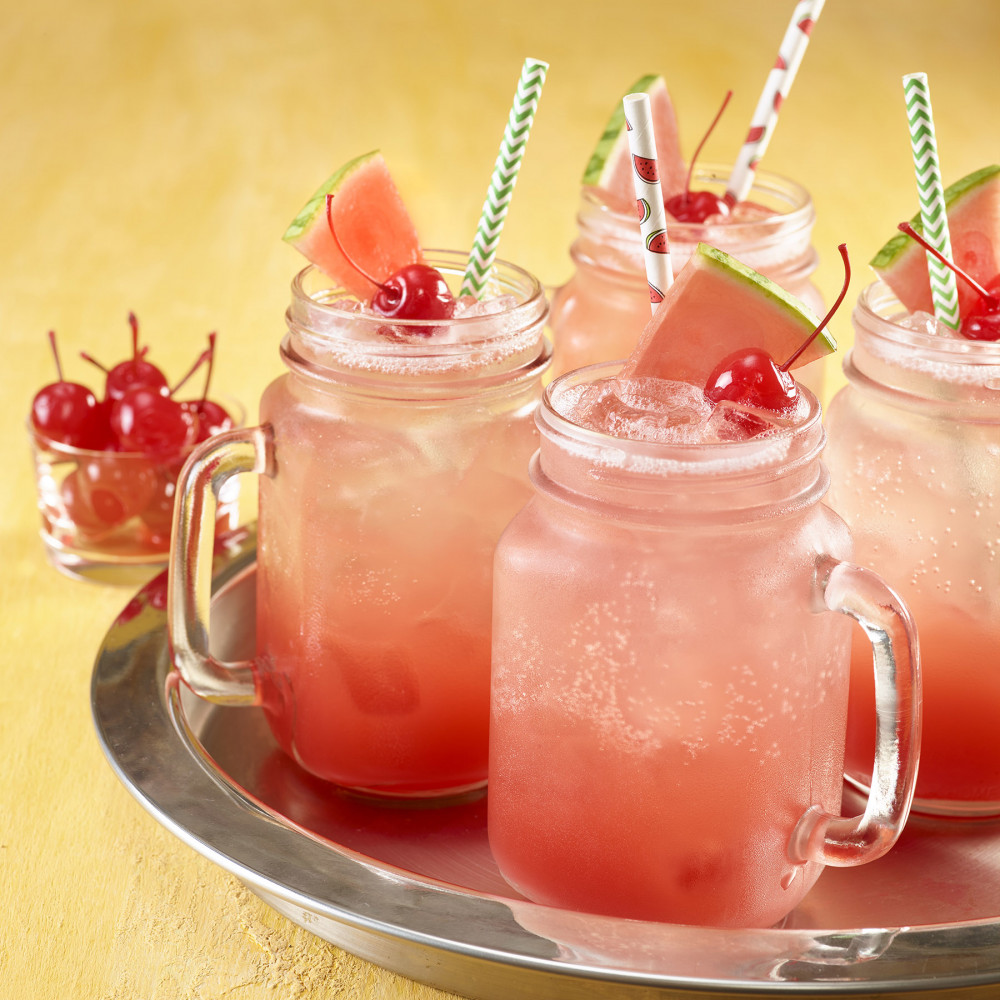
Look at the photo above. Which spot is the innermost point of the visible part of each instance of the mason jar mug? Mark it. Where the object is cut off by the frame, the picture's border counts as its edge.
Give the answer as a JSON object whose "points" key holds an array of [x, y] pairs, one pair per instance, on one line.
{"points": [[672, 631], [391, 454], [914, 455]]}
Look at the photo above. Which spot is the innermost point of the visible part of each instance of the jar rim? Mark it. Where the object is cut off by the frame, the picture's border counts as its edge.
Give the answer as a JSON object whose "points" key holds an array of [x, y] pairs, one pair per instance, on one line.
{"points": [[506, 278], [799, 442], [877, 314], [778, 190], [337, 339]]}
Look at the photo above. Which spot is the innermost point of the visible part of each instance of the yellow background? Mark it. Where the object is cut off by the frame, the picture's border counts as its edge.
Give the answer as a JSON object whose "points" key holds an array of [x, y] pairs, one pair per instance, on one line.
{"points": [[151, 154]]}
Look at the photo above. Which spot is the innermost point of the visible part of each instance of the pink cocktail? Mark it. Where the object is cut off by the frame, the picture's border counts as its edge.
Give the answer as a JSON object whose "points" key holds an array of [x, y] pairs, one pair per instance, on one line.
{"points": [[394, 452], [669, 688], [914, 457]]}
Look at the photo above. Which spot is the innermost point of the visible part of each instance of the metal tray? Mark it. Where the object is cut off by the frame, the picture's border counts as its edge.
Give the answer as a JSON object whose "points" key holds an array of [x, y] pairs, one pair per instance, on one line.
{"points": [[415, 889]]}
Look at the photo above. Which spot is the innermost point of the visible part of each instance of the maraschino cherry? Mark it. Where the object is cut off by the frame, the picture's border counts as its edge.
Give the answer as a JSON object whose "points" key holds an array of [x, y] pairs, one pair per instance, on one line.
{"points": [[63, 411], [983, 320], [134, 372], [416, 291], [751, 377], [105, 491], [697, 206], [212, 416], [147, 421]]}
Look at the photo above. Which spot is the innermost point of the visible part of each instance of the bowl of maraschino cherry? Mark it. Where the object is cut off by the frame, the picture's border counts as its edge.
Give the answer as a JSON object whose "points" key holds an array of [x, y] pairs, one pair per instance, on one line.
{"points": [[107, 462]]}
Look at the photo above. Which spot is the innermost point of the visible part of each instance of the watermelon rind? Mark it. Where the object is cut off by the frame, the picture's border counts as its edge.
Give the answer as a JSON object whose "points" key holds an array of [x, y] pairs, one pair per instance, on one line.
{"points": [[766, 287], [890, 253], [317, 203], [614, 132], [376, 237], [718, 305], [610, 164], [972, 205]]}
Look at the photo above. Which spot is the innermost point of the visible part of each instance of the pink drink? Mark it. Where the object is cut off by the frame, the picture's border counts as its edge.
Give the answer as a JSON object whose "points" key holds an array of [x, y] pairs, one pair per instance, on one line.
{"points": [[914, 457], [667, 702], [395, 453], [599, 314], [961, 684]]}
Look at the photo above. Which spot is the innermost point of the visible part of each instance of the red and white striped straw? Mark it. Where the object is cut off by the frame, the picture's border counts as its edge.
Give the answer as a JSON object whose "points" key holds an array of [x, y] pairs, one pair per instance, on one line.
{"points": [[648, 196], [779, 82]]}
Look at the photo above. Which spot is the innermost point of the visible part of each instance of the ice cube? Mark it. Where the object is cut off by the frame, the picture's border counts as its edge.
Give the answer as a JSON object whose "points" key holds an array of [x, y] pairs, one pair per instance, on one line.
{"points": [[735, 422], [645, 409], [347, 303], [925, 322], [467, 306]]}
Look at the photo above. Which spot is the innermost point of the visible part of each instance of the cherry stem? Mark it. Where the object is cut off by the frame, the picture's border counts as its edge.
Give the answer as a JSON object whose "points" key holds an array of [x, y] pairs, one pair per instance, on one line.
{"points": [[55, 354], [211, 365], [704, 139], [965, 276], [340, 246], [133, 322], [200, 360], [92, 360], [826, 319]]}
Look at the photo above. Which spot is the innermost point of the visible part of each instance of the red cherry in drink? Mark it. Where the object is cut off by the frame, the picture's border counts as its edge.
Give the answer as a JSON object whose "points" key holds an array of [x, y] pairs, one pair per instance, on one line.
{"points": [[114, 487], [983, 320], [78, 507], [134, 372], [148, 422], [697, 206], [751, 377], [65, 411], [417, 291], [158, 515]]}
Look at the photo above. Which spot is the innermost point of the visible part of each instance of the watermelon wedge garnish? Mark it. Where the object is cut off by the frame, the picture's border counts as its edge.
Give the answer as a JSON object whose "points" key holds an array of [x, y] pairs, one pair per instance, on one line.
{"points": [[610, 165], [371, 221], [973, 208], [715, 307]]}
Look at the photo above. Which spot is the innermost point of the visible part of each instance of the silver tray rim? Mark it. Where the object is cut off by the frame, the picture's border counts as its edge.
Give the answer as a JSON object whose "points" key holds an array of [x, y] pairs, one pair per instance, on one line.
{"points": [[459, 939]]}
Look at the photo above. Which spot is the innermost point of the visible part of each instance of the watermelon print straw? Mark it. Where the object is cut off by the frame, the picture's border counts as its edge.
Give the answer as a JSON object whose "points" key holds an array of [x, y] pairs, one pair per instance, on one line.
{"points": [[778, 83], [508, 162], [930, 190], [648, 196]]}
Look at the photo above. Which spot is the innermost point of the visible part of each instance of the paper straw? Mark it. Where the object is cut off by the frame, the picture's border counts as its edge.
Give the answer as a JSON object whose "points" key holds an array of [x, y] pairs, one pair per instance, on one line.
{"points": [[648, 196], [930, 190], [508, 162], [776, 87]]}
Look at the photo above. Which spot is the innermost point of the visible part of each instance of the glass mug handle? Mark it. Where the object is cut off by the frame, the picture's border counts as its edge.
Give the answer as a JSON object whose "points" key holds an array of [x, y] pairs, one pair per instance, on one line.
{"points": [[841, 841], [208, 467]]}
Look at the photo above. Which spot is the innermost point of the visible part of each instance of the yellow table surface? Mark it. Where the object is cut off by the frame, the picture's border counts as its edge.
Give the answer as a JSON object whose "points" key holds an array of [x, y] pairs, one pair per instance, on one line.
{"points": [[151, 154]]}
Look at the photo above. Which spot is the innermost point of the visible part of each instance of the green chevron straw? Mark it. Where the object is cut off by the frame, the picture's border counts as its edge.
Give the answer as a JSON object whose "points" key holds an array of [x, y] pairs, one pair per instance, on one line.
{"points": [[933, 212], [515, 138]]}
